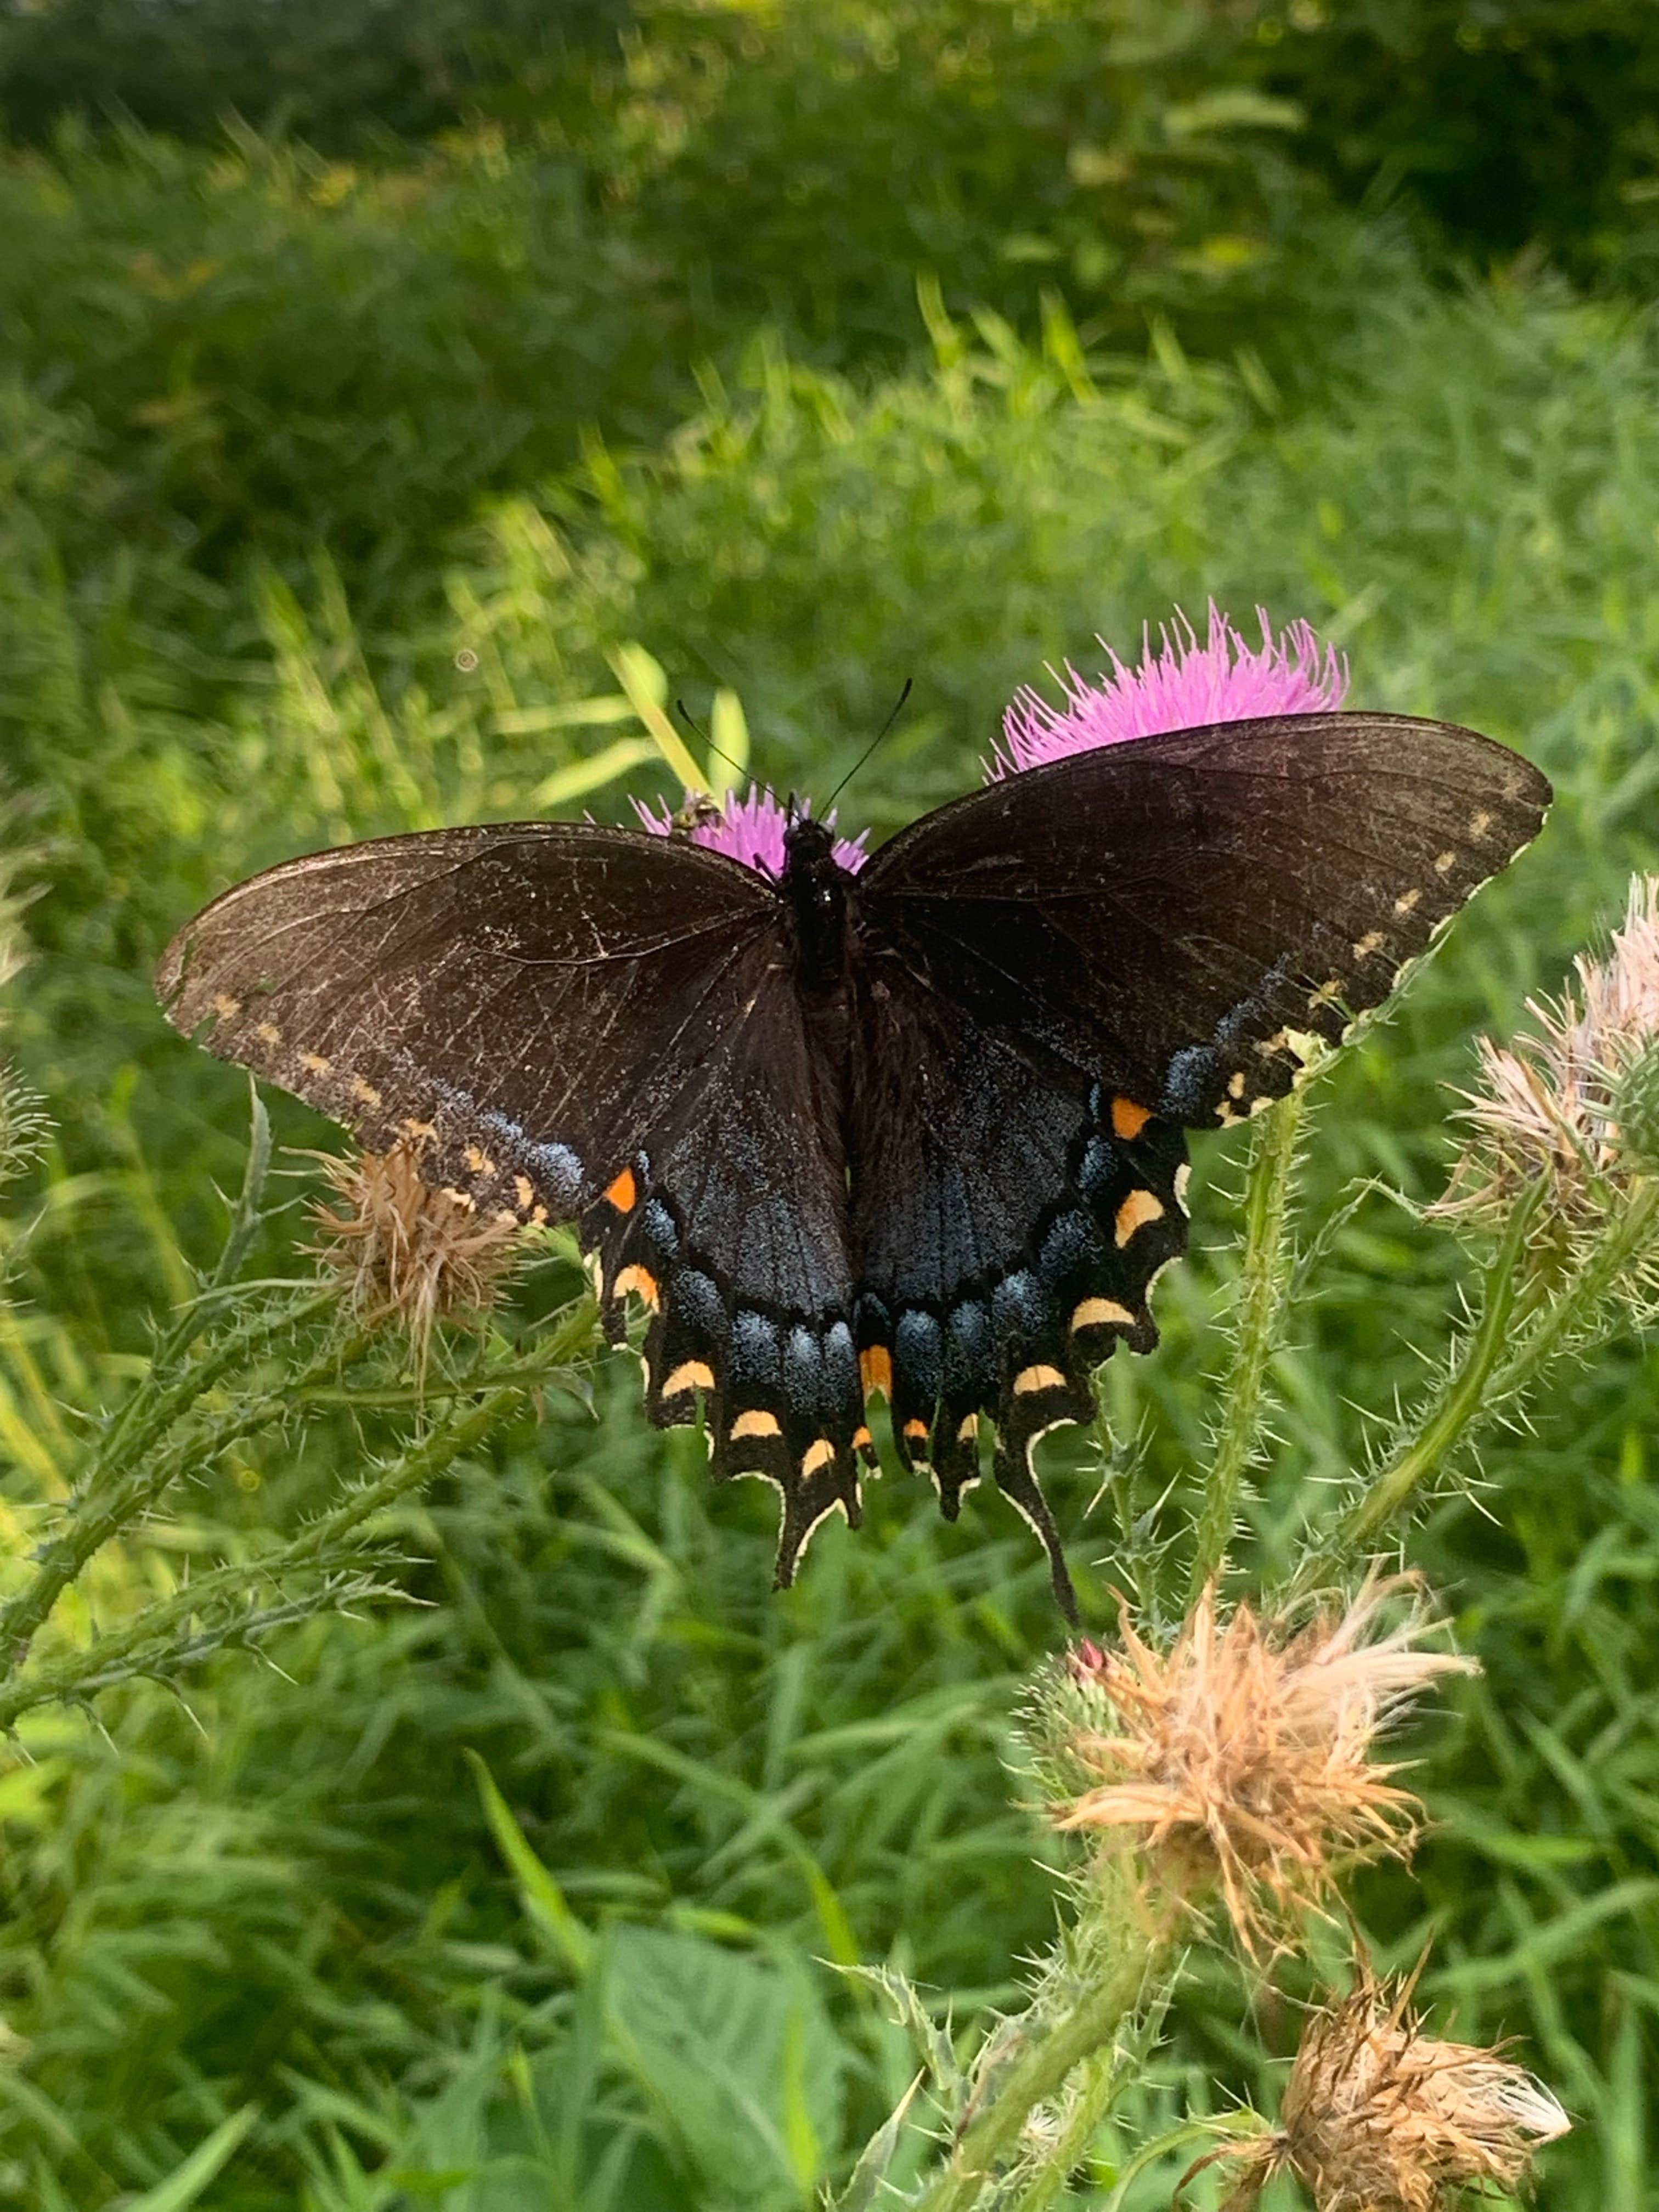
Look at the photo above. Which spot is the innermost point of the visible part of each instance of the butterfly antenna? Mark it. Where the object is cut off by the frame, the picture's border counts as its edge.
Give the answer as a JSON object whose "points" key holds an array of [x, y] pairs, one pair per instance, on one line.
{"points": [[719, 752], [898, 708]]}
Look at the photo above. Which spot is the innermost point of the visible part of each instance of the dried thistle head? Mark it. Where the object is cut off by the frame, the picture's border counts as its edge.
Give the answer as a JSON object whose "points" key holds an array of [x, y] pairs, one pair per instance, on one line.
{"points": [[1240, 1758], [1378, 2117], [1577, 1101], [407, 1253]]}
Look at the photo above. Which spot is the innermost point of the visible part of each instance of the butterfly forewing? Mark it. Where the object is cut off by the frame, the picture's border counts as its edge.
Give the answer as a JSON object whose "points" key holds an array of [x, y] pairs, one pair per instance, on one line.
{"points": [[530, 993], [1190, 907]]}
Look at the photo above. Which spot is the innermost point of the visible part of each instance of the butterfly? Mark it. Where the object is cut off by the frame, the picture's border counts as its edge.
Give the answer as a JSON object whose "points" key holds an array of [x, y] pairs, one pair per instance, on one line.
{"points": [[912, 1127]]}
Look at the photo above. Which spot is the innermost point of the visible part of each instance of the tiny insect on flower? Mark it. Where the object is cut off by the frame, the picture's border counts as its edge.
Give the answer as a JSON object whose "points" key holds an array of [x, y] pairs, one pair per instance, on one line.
{"points": [[1378, 2117], [1183, 685], [406, 1253], [1577, 1101], [1240, 1758]]}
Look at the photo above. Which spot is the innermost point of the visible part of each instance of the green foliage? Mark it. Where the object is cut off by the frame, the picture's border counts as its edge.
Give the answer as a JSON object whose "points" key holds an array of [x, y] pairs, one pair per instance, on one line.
{"points": [[270, 350], [302, 539], [803, 159], [1509, 124], [1116, 150], [337, 76]]}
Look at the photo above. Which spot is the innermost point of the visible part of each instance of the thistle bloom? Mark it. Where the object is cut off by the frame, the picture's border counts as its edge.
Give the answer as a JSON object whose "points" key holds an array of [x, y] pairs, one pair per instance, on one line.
{"points": [[750, 829], [1572, 1101], [406, 1252], [1378, 2117], [1240, 1758], [1184, 685]]}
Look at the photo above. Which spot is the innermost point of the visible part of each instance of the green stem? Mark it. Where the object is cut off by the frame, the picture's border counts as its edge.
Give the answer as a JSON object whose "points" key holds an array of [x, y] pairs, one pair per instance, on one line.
{"points": [[1620, 1244], [157, 1403], [456, 1433], [1495, 1368], [94, 1524], [1103, 2078], [318, 1547], [140, 1647], [1264, 1279], [1458, 1405], [103, 1507], [1091, 2024]]}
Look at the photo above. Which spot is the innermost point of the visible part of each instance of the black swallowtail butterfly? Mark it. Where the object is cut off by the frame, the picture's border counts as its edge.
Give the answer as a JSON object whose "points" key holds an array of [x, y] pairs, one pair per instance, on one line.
{"points": [[916, 1128]]}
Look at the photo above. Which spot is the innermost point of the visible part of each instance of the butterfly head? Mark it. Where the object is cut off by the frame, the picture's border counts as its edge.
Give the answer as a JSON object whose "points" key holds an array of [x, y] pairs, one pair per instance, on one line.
{"points": [[807, 844]]}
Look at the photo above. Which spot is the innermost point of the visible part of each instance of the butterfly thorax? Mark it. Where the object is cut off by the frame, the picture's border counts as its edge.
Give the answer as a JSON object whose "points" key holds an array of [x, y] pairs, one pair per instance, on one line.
{"points": [[814, 886]]}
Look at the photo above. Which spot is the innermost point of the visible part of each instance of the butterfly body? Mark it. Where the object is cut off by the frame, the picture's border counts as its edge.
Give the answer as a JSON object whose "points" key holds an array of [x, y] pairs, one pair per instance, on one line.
{"points": [[911, 1130]]}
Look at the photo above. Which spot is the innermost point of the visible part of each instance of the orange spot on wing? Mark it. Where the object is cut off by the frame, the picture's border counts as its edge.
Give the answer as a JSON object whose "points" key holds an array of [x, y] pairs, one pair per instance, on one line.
{"points": [[1136, 1211], [1038, 1378], [691, 1375], [861, 1438], [1100, 1313], [915, 1429], [625, 1193], [1128, 1120], [640, 1282], [756, 1422], [876, 1369]]}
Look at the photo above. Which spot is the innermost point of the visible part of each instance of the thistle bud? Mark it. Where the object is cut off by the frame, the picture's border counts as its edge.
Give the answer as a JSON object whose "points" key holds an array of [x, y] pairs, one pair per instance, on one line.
{"points": [[1240, 1759], [408, 1254], [1378, 2117], [1636, 1112]]}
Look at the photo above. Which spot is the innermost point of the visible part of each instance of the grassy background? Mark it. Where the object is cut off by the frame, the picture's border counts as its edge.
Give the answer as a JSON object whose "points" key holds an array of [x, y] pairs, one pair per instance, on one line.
{"points": [[341, 442]]}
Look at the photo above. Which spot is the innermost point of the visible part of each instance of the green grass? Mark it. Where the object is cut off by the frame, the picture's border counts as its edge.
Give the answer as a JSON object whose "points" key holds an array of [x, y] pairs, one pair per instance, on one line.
{"points": [[293, 1895]]}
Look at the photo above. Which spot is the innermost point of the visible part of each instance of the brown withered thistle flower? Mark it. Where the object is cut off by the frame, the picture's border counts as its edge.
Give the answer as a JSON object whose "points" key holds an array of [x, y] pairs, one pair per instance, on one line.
{"points": [[1378, 2117], [1571, 1100], [1240, 1758], [409, 1254]]}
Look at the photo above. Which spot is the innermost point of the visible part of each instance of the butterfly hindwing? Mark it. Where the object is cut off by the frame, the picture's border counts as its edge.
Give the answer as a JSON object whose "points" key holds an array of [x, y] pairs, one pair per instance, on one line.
{"points": [[736, 1234], [1008, 1213]]}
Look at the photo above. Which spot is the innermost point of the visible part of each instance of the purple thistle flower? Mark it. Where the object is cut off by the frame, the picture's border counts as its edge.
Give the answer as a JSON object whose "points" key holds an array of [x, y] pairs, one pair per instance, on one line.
{"points": [[1183, 686], [751, 830]]}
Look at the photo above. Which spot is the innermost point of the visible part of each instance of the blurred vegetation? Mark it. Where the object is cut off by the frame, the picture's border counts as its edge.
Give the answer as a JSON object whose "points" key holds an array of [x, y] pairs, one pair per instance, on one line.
{"points": [[341, 74], [1018, 133], [334, 465]]}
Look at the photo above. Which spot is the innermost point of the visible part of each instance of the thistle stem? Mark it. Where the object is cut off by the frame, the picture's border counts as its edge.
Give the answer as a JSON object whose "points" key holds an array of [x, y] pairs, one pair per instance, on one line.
{"points": [[1497, 1365], [1103, 2077], [115, 1491], [1264, 1283], [1078, 2033], [322, 1546], [167, 1392], [1619, 1244]]}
